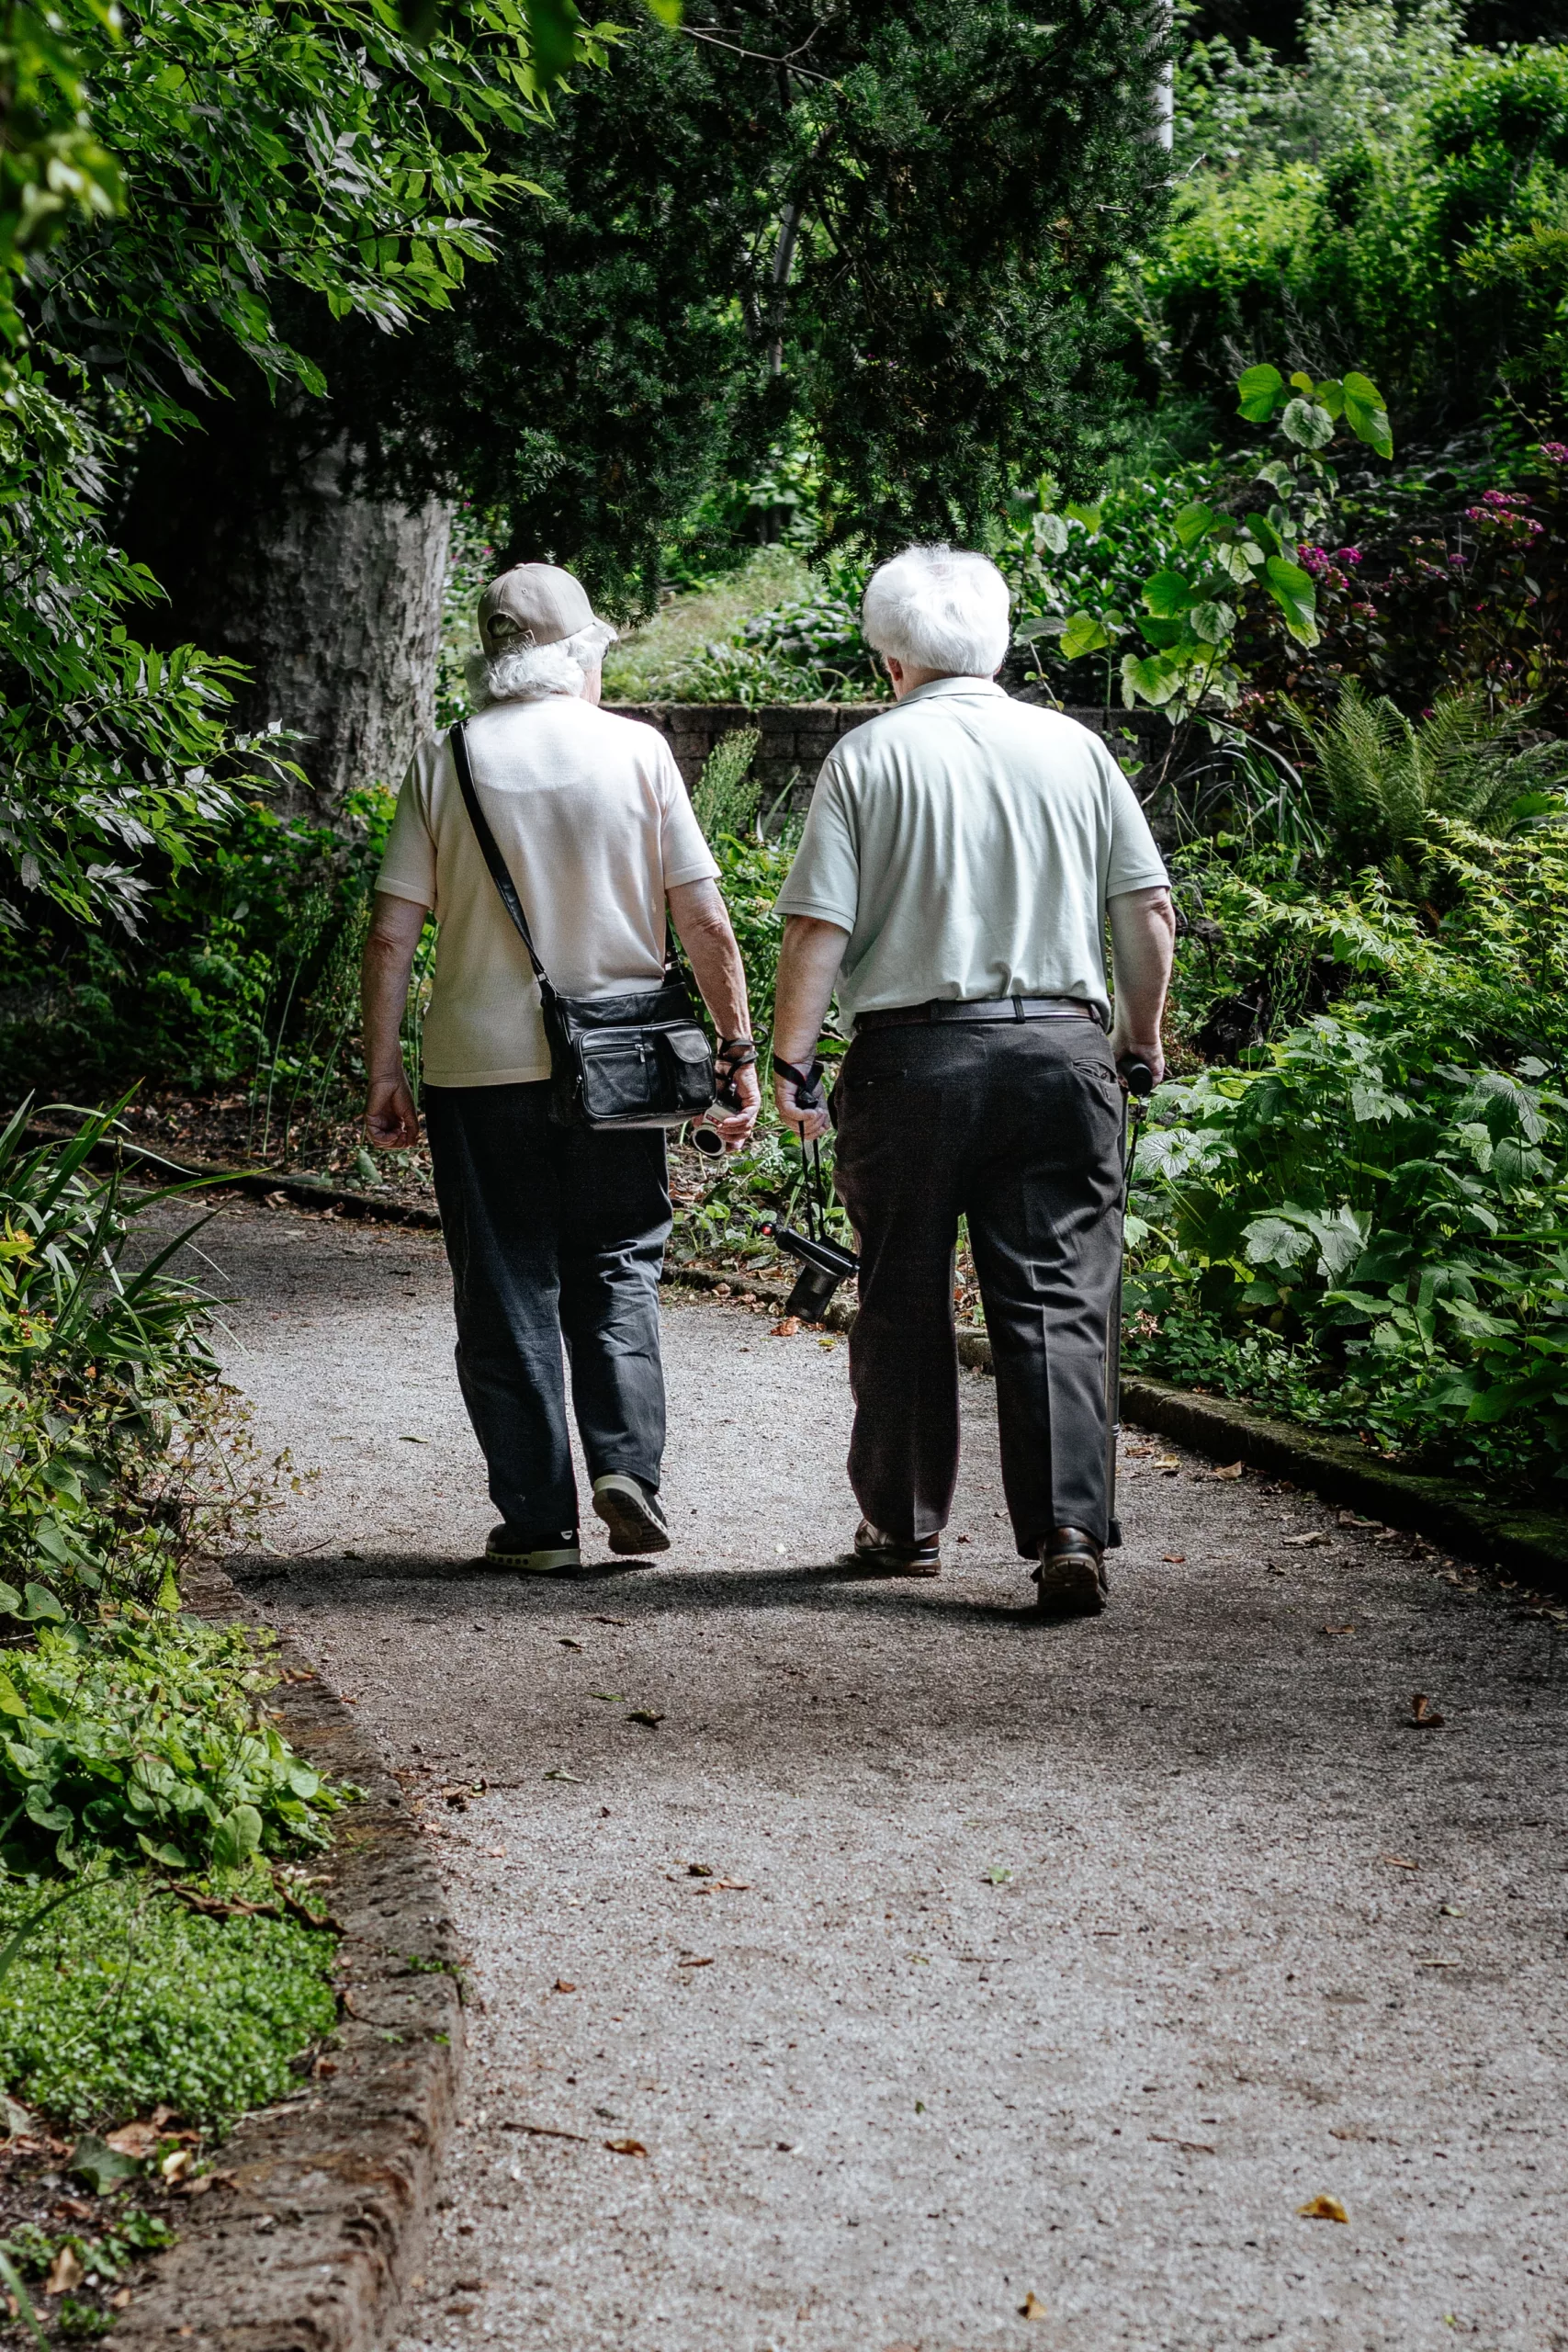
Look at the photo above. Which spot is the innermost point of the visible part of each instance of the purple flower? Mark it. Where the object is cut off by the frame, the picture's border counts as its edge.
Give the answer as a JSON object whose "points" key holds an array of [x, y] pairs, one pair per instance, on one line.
{"points": [[1351, 555], [1503, 498], [1556, 450], [1314, 560], [1458, 562]]}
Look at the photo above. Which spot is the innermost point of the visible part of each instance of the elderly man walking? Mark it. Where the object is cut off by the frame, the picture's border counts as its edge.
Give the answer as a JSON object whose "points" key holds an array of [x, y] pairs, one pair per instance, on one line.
{"points": [[953, 880], [553, 1231]]}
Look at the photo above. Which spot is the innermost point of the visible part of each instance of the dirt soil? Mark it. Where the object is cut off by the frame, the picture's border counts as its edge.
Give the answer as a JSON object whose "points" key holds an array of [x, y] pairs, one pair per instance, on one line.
{"points": [[868, 1965]]}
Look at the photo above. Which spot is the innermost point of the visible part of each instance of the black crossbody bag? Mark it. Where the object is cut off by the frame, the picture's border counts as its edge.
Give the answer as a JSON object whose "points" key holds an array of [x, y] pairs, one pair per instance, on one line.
{"points": [[639, 1060]]}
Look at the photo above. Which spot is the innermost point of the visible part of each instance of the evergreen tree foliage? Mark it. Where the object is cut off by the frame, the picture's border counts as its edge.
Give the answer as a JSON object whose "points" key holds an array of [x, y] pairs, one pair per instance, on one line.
{"points": [[885, 230]]}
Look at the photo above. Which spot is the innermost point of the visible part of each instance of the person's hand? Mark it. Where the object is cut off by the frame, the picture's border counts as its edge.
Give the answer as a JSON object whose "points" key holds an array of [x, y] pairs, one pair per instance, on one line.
{"points": [[391, 1123], [1127, 1048], [734, 1126], [807, 1125]]}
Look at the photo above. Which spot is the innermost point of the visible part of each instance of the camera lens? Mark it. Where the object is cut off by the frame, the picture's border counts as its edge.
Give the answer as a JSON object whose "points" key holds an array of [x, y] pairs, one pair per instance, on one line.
{"points": [[704, 1139]]}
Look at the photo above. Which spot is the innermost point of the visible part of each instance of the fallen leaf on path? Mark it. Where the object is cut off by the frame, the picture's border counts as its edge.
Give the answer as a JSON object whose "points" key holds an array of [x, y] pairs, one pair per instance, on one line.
{"points": [[785, 1329], [495, 1853], [1323, 2208], [828, 1343], [1174, 1559], [996, 1876], [136, 2140], [175, 2166], [699, 1870], [612, 1621], [564, 1984], [625, 2147], [1170, 1464], [1398, 1862], [1299, 1542], [1231, 1470], [567, 1644], [724, 1886], [607, 1694], [65, 2272], [556, 1773], [1349, 1519], [691, 1961], [545, 2131], [1423, 1715], [1188, 2147], [1031, 2308], [1339, 1629], [648, 1716], [403, 1440]]}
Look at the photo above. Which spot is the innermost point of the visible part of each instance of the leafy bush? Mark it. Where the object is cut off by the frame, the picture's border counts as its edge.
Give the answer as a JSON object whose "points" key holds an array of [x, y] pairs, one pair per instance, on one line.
{"points": [[145, 1739], [1369, 1237], [124, 1999], [117, 1447], [1420, 236]]}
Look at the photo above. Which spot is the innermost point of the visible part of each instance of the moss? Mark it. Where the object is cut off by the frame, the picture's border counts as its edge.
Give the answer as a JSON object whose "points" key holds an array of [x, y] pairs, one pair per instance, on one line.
{"points": [[124, 1999]]}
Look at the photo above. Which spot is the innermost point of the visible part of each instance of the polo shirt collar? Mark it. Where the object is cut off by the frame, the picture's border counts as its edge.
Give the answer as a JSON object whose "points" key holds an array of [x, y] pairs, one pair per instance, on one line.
{"points": [[934, 686]]}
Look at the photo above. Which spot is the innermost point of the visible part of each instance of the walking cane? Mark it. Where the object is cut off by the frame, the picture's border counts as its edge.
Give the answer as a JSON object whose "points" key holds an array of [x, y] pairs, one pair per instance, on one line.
{"points": [[1139, 1079]]}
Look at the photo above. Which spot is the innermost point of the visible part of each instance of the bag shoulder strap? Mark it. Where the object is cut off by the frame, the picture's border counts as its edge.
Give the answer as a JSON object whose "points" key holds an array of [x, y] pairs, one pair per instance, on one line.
{"points": [[500, 872]]}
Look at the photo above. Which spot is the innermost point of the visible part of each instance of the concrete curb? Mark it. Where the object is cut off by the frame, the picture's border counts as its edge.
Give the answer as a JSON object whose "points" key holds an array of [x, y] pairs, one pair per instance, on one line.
{"points": [[1534, 1542], [311, 2248]]}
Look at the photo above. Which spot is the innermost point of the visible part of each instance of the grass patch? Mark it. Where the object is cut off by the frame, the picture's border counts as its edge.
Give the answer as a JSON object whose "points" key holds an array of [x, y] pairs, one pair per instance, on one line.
{"points": [[125, 2000], [646, 665]]}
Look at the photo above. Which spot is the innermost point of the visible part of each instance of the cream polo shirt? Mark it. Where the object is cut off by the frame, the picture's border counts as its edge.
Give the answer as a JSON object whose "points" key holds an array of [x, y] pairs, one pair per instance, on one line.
{"points": [[969, 844], [596, 825]]}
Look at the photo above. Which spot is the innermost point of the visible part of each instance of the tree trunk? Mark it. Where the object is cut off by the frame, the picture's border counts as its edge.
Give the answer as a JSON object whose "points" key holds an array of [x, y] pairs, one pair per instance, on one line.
{"points": [[332, 601]]}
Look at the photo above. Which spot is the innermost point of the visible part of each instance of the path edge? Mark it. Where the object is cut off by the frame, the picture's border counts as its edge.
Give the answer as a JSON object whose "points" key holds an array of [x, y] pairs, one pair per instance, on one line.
{"points": [[312, 2246]]}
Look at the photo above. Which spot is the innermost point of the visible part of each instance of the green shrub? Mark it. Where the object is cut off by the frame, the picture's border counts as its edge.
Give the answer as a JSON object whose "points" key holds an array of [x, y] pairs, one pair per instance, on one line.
{"points": [[1369, 1236], [146, 1737], [125, 2000]]}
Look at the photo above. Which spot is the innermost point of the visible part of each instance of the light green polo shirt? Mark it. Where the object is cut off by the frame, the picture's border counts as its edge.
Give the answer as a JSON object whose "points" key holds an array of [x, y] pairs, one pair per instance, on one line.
{"points": [[969, 844]]}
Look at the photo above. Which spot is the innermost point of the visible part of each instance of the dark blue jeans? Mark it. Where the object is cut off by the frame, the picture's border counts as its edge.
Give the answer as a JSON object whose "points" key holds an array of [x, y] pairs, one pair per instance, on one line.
{"points": [[551, 1232]]}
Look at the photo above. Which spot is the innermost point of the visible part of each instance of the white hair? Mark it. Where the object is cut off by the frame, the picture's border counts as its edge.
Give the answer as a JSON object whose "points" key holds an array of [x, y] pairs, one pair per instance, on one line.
{"points": [[939, 608], [528, 673]]}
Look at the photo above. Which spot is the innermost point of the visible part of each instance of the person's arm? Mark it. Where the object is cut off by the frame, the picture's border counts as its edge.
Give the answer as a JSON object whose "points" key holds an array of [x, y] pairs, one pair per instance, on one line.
{"points": [[1143, 941], [808, 965], [391, 1123], [703, 927]]}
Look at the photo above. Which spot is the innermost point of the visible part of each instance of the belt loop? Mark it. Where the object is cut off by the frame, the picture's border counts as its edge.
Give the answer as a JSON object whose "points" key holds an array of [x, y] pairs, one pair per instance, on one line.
{"points": [[1018, 1008]]}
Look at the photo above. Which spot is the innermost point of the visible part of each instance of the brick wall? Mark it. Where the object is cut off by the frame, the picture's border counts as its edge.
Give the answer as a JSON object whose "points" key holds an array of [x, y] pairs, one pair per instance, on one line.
{"points": [[797, 737]]}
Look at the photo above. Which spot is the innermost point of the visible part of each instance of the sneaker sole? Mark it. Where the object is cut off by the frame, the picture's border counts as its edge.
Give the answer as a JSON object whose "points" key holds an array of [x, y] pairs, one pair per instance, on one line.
{"points": [[633, 1526], [535, 1564], [1069, 1587]]}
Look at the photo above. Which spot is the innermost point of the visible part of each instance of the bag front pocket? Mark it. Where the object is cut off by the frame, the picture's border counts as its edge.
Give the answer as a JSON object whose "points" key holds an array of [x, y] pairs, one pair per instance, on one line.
{"points": [[621, 1076], [688, 1068]]}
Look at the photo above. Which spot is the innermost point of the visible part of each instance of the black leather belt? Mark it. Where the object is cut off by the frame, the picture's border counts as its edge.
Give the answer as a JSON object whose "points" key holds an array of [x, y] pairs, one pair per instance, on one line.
{"points": [[985, 1008]]}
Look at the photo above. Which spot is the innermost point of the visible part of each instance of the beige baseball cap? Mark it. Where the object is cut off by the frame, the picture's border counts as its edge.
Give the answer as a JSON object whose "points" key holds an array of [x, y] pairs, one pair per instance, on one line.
{"points": [[534, 603]]}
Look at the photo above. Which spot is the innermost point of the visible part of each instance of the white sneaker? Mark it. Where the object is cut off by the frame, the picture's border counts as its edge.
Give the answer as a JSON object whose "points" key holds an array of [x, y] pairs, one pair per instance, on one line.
{"points": [[504, 1548], [631, 1513]]}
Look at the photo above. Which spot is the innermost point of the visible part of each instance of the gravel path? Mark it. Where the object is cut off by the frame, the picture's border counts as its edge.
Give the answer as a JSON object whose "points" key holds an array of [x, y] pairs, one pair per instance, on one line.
{"points": [[921, 1966]]}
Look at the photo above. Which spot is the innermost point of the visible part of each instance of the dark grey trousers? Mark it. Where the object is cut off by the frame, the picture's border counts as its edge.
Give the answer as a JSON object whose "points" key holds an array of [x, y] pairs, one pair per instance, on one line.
{"points": [[551, 1232], [1018, 1128]]}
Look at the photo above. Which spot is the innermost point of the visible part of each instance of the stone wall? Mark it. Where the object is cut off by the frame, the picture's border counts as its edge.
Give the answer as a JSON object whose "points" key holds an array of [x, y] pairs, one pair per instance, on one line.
{"points": [[798, 736]]}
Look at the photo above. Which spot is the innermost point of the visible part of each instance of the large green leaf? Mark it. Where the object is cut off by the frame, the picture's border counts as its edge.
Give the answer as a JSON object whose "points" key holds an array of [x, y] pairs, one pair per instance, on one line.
{"points": [[1261, 390], [1191, 523], [1168, 594], [1307, 424], [1083, 634], [1152, 678], [1292, 591], [1366, 414]]}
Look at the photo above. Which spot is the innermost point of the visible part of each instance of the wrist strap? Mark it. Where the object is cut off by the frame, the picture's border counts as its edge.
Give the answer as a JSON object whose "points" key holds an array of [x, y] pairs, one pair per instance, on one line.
{"points": [[808, 1094], [736, 1053]]}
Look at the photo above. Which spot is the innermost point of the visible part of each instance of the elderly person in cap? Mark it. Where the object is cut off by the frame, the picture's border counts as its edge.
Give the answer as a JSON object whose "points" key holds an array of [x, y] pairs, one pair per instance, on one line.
{"points": [[552, 1231], [953, 880]]}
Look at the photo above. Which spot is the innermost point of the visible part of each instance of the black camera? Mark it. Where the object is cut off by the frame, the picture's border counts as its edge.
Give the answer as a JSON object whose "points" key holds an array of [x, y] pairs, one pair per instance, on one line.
{"points": [[823, 1266]]}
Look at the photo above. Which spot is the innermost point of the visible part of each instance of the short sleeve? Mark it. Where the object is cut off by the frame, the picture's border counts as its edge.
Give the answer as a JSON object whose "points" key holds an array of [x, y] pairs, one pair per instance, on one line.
{"points": [[683, 853], [408, 867], [824, 880], [1134, 862]]}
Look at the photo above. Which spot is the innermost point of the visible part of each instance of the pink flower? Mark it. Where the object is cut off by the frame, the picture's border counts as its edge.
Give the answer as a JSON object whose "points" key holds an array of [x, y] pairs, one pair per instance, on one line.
{"points": [[1556, 450], [1351, 555], [1314, 560], [1503, 498]]}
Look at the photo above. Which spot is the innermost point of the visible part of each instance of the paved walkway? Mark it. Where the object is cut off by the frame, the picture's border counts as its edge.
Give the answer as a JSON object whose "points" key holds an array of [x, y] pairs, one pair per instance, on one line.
{"points": [[947, 1967]]}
